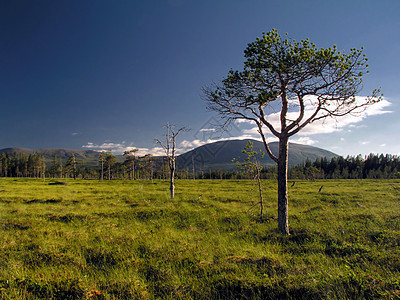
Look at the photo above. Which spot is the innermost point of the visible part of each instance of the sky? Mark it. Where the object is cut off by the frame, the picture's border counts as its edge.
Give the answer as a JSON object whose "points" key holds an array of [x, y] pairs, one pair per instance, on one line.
{"points": [[101, 75]]}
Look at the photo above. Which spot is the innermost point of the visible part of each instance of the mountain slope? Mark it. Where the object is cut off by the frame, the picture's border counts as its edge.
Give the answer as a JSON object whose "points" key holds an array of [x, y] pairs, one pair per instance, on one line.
{"points": [[219, 155], [215, 156]]}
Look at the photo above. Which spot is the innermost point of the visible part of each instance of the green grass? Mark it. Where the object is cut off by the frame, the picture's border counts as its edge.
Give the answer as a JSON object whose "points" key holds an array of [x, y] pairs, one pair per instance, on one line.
{"points": [[128, 240]]}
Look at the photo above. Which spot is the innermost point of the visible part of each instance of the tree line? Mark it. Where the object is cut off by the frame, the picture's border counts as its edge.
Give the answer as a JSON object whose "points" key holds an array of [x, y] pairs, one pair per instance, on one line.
{"points": [[37, 166], [372, 166], [147, 167]]}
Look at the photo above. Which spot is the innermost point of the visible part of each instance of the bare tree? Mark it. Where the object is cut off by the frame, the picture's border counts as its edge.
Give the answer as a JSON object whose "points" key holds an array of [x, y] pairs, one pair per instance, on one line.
{"points": [[109, 161], [101, 161], [302, 83], [149, 165], [169, 147], [131, 160]]}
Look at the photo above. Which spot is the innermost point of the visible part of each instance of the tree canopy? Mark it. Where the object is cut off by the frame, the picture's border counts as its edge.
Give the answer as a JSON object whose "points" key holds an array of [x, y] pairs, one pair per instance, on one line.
{"points": [[314, 83], [304, 83]]}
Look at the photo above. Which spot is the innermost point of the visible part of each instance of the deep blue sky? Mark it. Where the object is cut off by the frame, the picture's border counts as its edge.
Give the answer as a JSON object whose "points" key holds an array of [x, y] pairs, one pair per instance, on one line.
{"points": [[109, 74]]}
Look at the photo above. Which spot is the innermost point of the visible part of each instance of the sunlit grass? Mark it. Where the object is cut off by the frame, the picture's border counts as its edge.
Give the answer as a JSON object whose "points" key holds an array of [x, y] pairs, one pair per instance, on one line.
{"points": [[127, 239]]}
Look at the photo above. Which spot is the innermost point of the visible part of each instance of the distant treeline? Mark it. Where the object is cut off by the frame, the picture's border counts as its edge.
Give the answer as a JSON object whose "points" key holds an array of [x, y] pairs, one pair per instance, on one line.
{"points": [[34, 165], [147, 167], [371, 167]]}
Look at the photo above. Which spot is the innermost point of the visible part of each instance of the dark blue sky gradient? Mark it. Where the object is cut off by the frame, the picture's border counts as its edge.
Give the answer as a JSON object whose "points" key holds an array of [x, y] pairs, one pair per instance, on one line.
{"points": [[73, 72]]}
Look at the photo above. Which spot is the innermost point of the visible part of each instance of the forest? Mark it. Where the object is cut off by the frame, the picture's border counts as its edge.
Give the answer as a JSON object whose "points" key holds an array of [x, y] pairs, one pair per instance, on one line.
{"points": [[147, 167]]}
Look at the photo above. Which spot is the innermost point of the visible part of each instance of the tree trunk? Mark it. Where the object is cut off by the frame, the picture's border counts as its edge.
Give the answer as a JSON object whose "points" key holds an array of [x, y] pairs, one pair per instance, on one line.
{"points": [[283, 213], [172, 185], [44, 171], [260, 191]]}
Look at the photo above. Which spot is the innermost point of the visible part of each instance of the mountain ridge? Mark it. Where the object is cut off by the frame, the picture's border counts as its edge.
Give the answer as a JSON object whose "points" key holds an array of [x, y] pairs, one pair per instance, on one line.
{"points": [[216, 156], [219, 155]]}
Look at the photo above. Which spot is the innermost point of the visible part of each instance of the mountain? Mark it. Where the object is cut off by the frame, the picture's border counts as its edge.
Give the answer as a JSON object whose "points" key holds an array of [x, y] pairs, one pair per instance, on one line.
{"points": [[219, 155], [215, 156]]}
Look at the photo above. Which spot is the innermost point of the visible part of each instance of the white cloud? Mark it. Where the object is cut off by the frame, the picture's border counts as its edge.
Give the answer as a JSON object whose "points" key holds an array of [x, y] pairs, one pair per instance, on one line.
{"points": [[252, 131], [155, 151], [378, 108], [327, 125], [305, 140], [382, 145], [239, 121], [207, 130], [357, 126], [191, 144], [116, 148], [120, 148]]}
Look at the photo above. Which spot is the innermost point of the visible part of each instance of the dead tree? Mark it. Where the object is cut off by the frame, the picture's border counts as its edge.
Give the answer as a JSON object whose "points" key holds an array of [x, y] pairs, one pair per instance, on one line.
{"points": [[169, 147], [101, 161], [131, 159]]}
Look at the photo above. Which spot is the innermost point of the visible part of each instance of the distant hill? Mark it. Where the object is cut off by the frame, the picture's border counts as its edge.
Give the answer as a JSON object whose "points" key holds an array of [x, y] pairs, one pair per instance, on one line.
{"points": [[89, 157], [219, 155], [215, 156]]}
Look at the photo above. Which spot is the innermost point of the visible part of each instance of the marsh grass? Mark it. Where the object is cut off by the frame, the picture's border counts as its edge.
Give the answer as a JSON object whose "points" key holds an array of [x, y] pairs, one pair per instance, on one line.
{"points": [[128, 240]]}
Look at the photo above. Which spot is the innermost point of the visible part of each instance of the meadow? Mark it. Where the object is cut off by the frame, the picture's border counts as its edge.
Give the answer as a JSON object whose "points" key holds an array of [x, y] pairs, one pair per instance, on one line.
{"points": [[129, 240]]}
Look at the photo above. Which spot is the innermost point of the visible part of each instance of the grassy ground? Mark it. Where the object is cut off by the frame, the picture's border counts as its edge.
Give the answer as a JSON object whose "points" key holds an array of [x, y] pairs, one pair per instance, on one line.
{"points": [[128, 240]]}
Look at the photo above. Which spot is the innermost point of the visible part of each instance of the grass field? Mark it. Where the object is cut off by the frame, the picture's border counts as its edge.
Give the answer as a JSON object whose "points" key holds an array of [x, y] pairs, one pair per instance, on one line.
{"points": [[128, 240]]}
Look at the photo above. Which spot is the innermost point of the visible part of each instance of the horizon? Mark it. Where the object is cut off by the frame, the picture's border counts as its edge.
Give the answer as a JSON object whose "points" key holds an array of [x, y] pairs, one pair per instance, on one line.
{"points": [[100, 76], [141, 153]]}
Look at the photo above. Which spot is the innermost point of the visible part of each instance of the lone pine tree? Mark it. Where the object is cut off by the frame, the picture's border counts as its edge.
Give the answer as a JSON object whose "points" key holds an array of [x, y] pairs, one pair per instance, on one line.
{"points": [[304, 83]]}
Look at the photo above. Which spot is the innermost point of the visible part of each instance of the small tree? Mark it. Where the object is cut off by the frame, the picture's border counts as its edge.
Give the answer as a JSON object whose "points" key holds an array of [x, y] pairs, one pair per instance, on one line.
{"points": [[170, 151], [252, 167], [4, 164], [54, 167], [109, 161], [131, 159], [303, 83], [43, 170], [71, 164], [60, 169], [102, 158], [149, 166], [38, 166]]}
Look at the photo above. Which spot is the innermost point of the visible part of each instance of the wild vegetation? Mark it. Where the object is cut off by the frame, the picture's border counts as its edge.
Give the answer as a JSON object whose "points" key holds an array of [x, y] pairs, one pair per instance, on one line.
{"points": [[352, 167], [147, 167], [127, 239]]}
